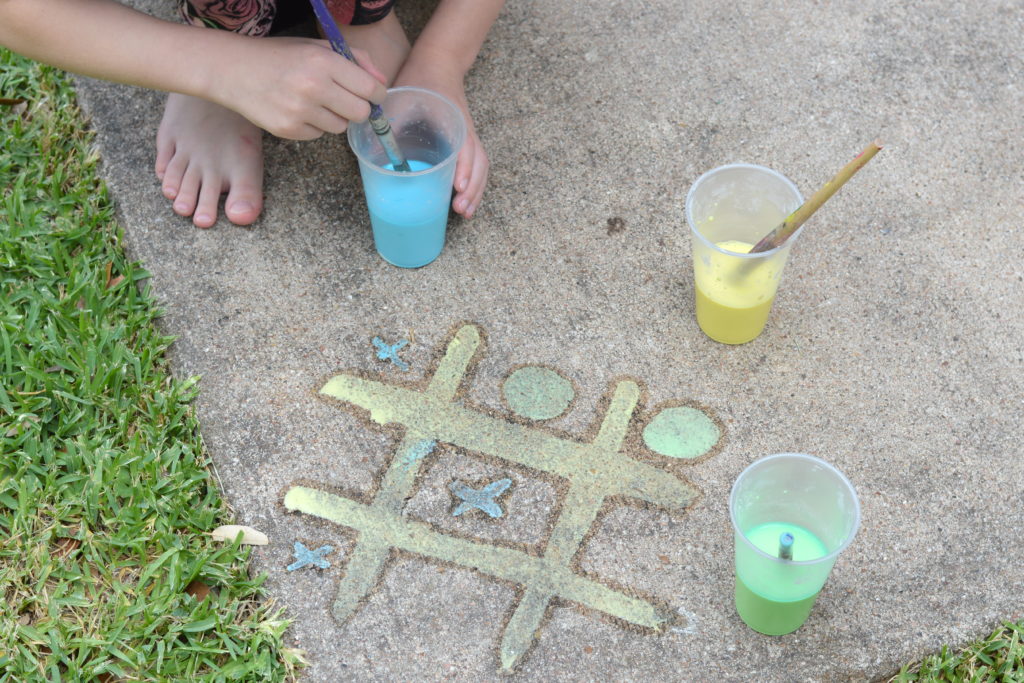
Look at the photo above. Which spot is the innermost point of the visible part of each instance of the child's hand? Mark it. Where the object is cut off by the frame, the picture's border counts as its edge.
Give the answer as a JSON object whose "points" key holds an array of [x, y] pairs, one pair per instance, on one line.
{"points": [[472, 166], [471, 170], [297, 88]]}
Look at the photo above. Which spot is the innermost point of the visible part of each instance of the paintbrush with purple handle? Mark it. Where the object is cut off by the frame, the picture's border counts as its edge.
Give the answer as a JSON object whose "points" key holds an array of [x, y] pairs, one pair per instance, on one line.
{"points": [[380, 125]]}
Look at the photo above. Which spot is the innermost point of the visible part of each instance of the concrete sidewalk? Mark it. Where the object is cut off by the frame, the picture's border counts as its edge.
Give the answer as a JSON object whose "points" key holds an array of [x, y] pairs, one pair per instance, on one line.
{"points": [[894, 350]]}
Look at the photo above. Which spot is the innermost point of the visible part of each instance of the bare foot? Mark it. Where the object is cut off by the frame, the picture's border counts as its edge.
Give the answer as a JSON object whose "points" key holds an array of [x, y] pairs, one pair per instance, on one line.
{"points": [[204, 150]]}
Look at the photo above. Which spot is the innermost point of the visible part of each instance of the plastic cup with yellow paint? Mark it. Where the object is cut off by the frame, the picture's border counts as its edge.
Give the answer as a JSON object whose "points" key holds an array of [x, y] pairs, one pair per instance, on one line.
{"points": [[729, 209]]}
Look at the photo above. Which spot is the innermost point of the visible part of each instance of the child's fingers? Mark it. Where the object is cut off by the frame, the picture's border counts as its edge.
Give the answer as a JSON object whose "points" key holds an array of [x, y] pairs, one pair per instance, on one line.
{"points": [[345, 104], [326, 120], [360, 82], [464, 166], [360, 79], [477, 182], [363, 59], [470, 178], [463, 175]]}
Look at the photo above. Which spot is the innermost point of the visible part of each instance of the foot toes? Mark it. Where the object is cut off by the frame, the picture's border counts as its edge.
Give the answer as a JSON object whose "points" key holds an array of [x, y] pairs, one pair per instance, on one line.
{"points": [[245, 195], [204, 149], [164, 154], [206, 207], [172, 177], [242, 210], [185, 200]]}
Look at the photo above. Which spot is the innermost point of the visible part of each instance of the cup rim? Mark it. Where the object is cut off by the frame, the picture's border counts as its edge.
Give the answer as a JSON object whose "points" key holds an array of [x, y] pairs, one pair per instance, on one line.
{"points": [[711, 245], [817, 461], [432, 169]]}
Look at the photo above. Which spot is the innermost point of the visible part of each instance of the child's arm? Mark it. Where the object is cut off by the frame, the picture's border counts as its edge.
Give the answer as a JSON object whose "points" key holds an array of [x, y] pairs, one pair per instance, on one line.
{"points": [[293, 88], [440, 59], [456, 31]]}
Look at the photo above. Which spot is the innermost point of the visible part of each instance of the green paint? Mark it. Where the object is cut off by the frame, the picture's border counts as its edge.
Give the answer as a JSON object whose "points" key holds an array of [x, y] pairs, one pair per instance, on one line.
{"points": [[771, 617], [538, 393], [775, 598], [448, 422], [681, 432], [593, 470]]}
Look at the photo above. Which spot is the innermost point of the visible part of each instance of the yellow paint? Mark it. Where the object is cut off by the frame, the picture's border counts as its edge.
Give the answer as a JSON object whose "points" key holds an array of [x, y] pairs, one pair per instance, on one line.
{"points": [[733, 298], [728, 324]]}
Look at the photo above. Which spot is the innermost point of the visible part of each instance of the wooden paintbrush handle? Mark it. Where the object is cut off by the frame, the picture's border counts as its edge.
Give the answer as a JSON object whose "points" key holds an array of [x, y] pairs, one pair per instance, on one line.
{"points": [[787, 227]]}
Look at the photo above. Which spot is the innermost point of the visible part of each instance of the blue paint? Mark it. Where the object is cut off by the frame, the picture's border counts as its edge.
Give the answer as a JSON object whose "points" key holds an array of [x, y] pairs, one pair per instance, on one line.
{"points": [[419, 450], [408, 212], [387, 352], [304, 557], [484, 499]]}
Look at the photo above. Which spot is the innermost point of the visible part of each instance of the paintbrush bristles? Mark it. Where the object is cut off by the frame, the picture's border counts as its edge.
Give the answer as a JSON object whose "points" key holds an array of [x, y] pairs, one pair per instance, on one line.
{"points": [[783, 231]]}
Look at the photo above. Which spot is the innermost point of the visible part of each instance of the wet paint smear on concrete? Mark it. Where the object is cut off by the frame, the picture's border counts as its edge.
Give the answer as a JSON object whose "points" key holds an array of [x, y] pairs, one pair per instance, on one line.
{"points": [[304, 557], [603, 467], [681, 432], [389, 352], [484, 499], [537, 393]]}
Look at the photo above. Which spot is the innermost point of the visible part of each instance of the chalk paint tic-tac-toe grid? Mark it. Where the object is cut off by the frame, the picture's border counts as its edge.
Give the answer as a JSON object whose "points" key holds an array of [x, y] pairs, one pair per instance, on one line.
{"points": [[630, 458]]}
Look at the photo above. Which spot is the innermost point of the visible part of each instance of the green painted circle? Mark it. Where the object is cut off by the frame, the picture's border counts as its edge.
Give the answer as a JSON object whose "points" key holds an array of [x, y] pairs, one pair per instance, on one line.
{"points": [[537, 393], [681, 432]]}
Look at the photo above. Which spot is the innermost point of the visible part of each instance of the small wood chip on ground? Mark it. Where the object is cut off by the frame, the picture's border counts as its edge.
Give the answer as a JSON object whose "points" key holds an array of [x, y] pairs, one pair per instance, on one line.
{"points": [[229, 532]]}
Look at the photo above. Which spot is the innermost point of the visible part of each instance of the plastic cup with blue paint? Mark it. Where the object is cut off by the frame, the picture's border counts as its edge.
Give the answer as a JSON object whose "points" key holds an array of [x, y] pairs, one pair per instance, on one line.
{"points": [[792, 514], [409, 211]]}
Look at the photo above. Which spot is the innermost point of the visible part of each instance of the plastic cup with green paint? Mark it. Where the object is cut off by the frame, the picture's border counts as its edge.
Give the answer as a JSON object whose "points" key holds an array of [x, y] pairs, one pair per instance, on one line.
{"points": [[792, 514]]}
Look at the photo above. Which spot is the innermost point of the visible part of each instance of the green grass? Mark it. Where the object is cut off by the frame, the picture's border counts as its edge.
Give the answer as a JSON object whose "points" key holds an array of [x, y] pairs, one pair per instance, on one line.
{"points": [[106, 500], [999, 657]]}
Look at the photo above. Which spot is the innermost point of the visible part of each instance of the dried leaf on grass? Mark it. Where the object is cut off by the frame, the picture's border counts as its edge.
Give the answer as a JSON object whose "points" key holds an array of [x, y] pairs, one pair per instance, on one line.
{"points": [[18, 105], [198, 590], [229, 532], [18, 426], [112, 280], [65, 546]]}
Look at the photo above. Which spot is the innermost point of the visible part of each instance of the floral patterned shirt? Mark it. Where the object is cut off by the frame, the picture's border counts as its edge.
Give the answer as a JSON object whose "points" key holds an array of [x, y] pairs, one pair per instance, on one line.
{"points": [[255, 17]]}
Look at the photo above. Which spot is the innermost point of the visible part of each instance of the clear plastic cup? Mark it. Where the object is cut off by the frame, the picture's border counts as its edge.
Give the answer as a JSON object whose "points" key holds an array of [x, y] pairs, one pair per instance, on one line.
{"points": [[811, 501], [729, 209], [409, 211]]}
